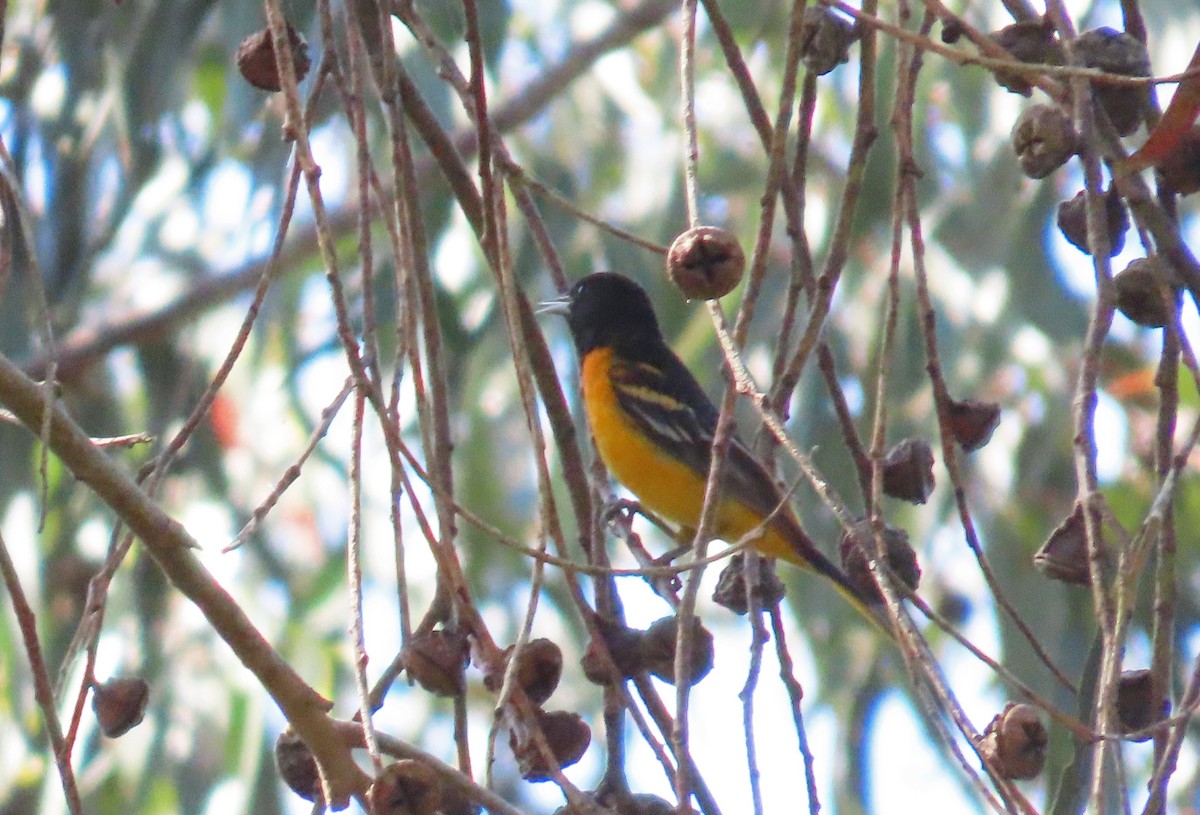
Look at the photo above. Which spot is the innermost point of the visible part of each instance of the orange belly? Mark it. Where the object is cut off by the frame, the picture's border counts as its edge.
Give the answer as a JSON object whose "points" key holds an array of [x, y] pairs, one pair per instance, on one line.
{"points": [[662, 484]]}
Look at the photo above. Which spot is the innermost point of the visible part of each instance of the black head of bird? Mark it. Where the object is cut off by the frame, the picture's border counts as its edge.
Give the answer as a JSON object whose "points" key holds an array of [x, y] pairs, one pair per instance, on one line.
{"points": [[606, 308]]}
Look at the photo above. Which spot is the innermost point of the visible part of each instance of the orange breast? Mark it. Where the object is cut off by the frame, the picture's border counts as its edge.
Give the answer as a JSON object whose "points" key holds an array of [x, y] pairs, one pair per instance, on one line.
{"points": [[663, 485]]}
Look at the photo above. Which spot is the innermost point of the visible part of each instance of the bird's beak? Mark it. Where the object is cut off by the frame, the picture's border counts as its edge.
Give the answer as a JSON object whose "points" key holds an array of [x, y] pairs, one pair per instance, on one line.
{"points": [[559, 305]]}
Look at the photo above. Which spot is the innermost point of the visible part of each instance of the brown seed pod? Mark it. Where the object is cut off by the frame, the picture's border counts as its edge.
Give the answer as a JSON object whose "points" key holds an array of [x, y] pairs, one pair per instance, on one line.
{"points": [[731, 585], [1072, 222], [437, 661], [857, 549], [973, 422], [952, 30], [120, 704], [1117, 53], [705, 262], [622, 803], [567, 735], [643, 803], [658, 650], [1136, 709], [256, 59], [538, 672], [297, 767], [1145, 293], [1180, 170], [1028, 41], [1043, 139], [1014, 742], [595, 667], [908, 471], [825, 39], [406, 787], [624, 645], [456, 802], [1064, 555]]}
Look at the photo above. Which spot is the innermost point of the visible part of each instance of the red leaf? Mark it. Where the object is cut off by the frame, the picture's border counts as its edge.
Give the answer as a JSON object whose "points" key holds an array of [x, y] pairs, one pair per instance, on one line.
{"points": [[224, 418], [1174, 125]]}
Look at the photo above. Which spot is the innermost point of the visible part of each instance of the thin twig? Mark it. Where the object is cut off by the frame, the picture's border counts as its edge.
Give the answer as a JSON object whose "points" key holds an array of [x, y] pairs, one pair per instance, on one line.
{"points": [[328, 414], [1162, 638], [43, 691], [758, 639], [495, 247], [1084, 447], [776, 174], [795, 692], [687, 84], [354, 582], [519, 176]]}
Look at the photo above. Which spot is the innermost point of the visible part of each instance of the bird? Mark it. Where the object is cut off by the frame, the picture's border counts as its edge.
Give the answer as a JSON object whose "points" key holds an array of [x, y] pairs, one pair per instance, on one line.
{"points": [[653, 427]]}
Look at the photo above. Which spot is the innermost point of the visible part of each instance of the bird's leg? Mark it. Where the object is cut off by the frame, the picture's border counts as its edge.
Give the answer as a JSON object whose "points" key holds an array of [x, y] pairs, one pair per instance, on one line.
{"points": [[683, 538], [619, 515], [623, 509]]}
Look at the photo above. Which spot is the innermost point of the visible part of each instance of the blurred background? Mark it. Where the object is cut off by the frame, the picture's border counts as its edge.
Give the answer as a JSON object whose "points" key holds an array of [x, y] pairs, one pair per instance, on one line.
{"points": [[146, 194]]}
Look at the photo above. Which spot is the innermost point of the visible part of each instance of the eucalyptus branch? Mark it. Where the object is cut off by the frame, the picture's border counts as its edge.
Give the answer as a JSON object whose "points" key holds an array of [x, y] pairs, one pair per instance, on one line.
{"points": [[174, 550]]}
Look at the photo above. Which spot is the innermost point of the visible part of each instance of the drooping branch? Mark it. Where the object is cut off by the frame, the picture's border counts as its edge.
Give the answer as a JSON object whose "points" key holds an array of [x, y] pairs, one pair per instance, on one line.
{"points": [[173, 548]]}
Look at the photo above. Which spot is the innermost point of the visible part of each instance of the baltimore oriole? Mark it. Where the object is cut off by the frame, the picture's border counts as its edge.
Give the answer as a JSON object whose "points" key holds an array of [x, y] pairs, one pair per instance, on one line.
{"points": [[653, 426]]}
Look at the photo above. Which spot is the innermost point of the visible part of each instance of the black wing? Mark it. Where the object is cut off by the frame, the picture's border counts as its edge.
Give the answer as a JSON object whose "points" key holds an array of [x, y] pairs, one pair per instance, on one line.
{"points": [[671, 408]]}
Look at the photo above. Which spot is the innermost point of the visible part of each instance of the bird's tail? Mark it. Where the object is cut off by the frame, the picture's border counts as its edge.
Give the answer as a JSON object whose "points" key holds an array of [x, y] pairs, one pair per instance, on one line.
{"points": [[802, 552], [873, 611]]}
